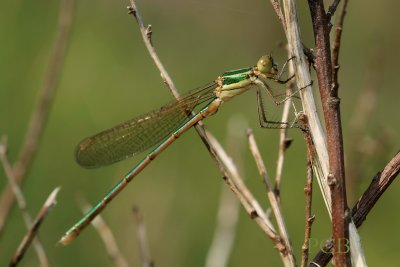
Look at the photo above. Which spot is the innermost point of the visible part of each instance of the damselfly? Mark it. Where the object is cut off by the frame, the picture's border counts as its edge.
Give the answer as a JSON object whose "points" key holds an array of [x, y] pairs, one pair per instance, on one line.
{"points": [[165, 125]]}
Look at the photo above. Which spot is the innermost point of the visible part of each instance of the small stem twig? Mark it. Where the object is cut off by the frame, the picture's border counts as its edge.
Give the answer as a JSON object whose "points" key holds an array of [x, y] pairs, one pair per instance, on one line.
{"points": [[307, 189], [271, 197], [106, 236], [34, 228], [336, 46], [143, 242], [332, 9], [43, 105], [24, 211], [380, 182], [146, 36], [246, 198], [251, 205]]}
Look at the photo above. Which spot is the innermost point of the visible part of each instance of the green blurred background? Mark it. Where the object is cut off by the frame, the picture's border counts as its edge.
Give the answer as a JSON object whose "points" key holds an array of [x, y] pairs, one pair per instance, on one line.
{"points": [[109, 77]]}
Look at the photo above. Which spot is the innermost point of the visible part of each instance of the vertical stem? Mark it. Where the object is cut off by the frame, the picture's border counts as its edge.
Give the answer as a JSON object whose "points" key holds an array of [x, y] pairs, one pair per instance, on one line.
{"points": [[307, 190], [331, 110]]}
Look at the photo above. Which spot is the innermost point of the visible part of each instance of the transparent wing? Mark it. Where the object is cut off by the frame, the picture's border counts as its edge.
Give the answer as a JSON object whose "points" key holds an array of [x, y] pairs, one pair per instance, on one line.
{"points": [[138, 134]]}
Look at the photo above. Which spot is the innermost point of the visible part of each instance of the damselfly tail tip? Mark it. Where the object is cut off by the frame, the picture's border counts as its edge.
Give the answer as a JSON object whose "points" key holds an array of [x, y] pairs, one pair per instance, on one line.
{"points": [[67, 238]]}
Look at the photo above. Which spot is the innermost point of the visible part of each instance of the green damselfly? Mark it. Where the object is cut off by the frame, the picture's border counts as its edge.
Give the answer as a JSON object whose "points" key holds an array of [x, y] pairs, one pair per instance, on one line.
{"points": [[165, 125]]}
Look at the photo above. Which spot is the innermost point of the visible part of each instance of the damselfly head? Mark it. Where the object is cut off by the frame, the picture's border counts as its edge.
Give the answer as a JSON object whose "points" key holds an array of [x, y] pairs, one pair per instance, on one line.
{"points": [[266, 66]]}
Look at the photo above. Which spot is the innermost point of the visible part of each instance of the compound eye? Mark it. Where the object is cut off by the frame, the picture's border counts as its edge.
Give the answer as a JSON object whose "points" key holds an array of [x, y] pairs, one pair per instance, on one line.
{"points": [[266, 65]]}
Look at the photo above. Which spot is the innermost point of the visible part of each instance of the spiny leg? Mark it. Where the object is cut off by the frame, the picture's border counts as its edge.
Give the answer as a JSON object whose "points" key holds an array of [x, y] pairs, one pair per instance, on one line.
{"points": [[264, 122], [274, 96], [281, 72]]}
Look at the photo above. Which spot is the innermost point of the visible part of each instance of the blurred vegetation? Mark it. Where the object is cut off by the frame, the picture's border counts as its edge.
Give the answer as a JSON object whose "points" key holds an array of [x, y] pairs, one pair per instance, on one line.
{"points": [[109, 77]]}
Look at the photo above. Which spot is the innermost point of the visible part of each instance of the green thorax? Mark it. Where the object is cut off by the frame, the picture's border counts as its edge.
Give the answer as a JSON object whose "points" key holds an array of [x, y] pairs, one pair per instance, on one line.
{"points": [[235, 76]]}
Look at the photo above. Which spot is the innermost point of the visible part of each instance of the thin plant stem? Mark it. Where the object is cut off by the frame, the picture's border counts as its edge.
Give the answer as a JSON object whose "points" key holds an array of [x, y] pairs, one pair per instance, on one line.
{"points": [[146, 36], [336, 46], [277, 9], [328, 89], [307, 190], [31, 235], [19, 196], [271, 197], [251, 205], [42, 109]]}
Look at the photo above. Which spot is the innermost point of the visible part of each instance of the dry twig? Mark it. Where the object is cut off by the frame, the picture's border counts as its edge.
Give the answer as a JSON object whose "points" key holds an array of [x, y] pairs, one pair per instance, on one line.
{"points": [[146, 36], [336, 44], [34, 228], [43, 105], [24, 210], [271, 196], [251, 205], [277, 9], [307, 189]]}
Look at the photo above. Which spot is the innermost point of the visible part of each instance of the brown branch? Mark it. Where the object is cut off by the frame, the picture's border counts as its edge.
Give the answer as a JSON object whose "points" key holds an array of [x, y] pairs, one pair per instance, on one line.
{"points": [[379, 184], [307, 189], [331, 110], [43, 105], [336, 46], [34, 228], [106, 236], [146, 36], [332, 9], [145, 256]]}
